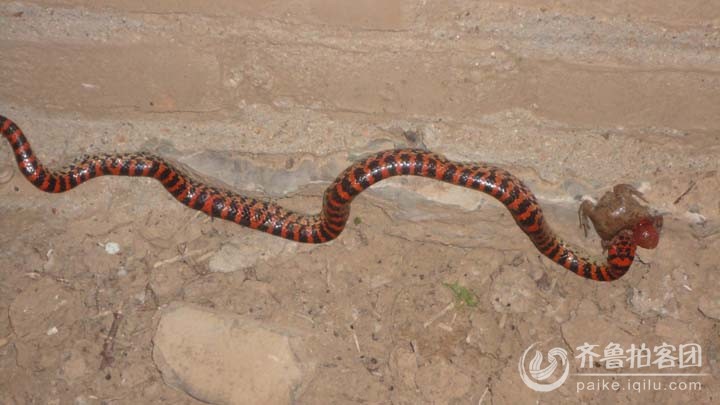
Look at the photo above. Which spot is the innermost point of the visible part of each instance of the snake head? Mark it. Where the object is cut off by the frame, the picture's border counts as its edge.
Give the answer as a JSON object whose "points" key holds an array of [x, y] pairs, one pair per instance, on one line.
{"points": [[646, 233]]}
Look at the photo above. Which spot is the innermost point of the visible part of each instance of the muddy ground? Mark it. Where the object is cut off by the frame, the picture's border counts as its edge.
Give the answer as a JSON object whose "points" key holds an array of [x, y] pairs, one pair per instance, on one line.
{"points": [[275, 98]]}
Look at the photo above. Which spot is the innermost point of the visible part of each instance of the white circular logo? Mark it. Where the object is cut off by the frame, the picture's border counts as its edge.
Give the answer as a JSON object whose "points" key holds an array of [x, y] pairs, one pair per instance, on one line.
{"points": [[538, 374]]}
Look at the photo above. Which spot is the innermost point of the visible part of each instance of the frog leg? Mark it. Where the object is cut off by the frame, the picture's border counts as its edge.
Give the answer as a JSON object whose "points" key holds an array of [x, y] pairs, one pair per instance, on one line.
{"points": [[605, 245], [626, 190], [586, 208]]}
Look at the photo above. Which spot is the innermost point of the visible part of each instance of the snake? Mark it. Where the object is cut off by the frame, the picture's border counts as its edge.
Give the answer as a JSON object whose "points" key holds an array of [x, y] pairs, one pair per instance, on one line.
{"points": [[269, 217]]}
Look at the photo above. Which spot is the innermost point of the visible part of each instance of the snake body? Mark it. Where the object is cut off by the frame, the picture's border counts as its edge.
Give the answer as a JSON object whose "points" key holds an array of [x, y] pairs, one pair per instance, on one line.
{"points": [[330, 222]]}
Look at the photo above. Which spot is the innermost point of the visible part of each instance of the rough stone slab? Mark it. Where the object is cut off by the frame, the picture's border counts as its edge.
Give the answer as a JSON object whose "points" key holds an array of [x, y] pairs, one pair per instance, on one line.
{"points": [[241, 252], [223, 358], [709, 305]]}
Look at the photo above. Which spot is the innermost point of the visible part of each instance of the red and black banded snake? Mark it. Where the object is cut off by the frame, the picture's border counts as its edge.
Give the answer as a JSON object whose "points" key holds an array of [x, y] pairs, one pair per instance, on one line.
{"points": [[330, 222]]}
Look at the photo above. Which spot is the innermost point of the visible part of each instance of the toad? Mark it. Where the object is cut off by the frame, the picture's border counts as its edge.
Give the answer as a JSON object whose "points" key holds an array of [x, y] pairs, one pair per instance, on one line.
{"points": [[618, 210]]}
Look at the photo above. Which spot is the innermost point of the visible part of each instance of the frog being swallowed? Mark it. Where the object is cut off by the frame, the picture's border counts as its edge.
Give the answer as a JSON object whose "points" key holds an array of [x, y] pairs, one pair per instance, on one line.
{"points": [[619, 210]]}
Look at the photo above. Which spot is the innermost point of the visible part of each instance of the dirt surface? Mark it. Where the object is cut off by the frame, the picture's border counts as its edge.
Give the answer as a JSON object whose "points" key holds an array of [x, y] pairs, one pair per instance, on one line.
{"points": [[275, 98]]}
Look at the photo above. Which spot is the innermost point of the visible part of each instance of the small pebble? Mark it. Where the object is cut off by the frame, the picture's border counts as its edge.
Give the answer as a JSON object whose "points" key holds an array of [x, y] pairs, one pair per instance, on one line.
{"points": [[112, 248], [140, 297]]}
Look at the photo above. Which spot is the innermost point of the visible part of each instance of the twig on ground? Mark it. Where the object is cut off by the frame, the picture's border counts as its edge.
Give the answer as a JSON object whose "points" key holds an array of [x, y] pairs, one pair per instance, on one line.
{"points": [[692, 184], [109, 344], [439, 314]]}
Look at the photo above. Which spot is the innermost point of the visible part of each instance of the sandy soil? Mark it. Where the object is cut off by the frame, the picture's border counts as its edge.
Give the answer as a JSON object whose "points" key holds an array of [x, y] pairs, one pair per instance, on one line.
{"points": [[275, 98]]}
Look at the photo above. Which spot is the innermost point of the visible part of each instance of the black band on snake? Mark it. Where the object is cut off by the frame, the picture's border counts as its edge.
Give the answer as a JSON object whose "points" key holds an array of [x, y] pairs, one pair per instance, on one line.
{"points": [[330, 222]]}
